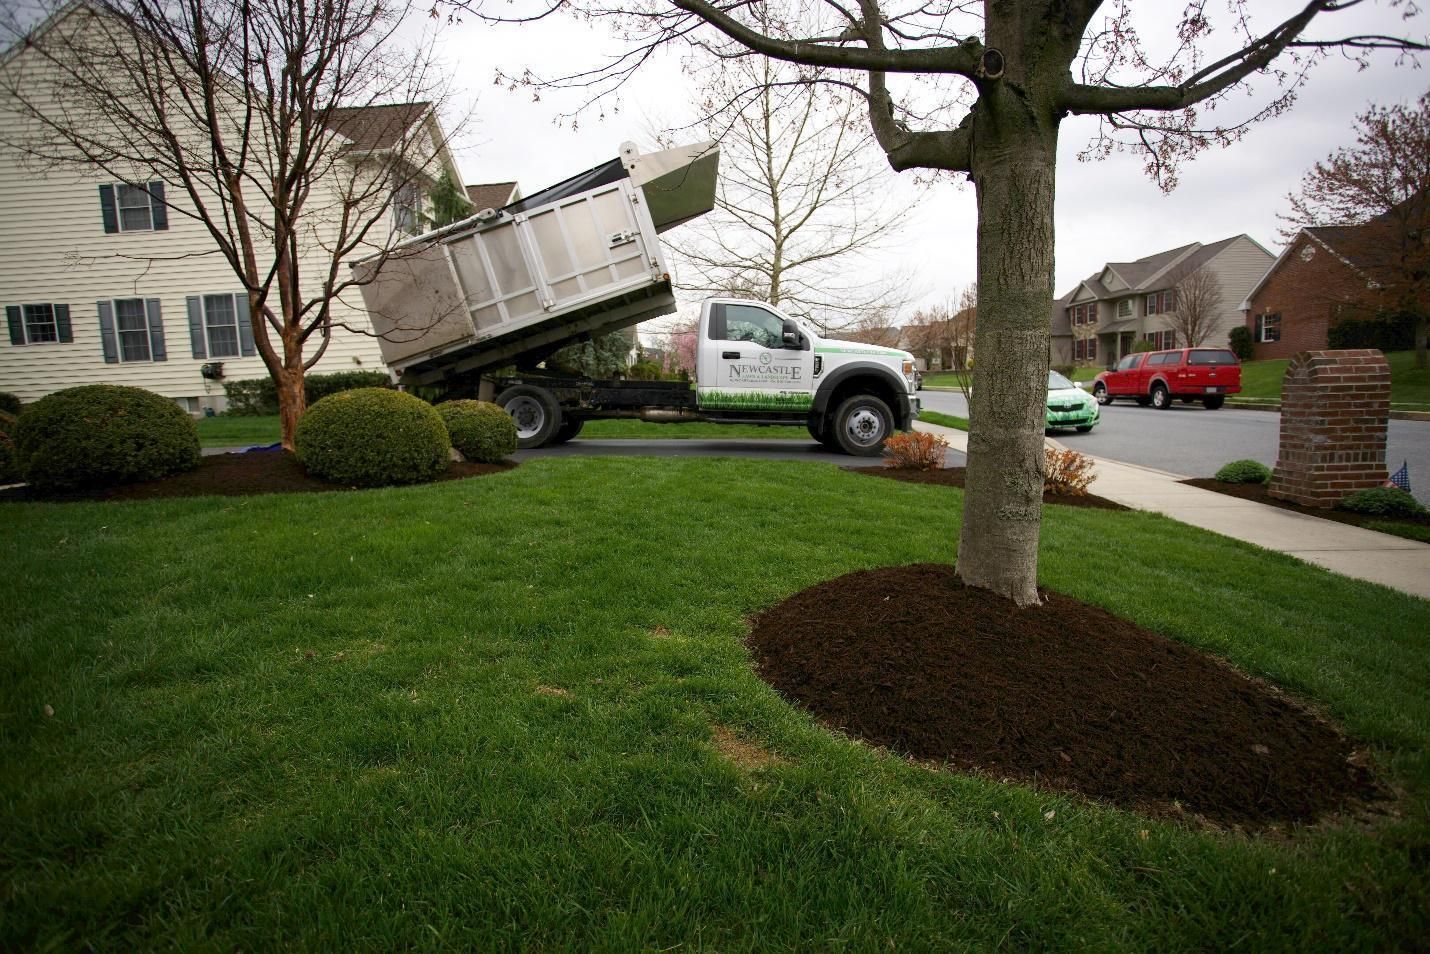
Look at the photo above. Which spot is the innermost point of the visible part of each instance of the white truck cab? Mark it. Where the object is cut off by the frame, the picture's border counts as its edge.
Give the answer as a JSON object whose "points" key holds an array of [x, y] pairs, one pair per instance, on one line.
{"points": [[753, 361]]}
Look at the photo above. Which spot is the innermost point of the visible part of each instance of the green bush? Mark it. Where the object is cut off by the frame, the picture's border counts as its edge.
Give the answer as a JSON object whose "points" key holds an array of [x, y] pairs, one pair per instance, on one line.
{"points": [[9, 472], [9, 404], [258, 397], [1383, 502], [1143, 345], [372, 436], [1240, 342], [1386, 331], [102, 434], [644, 371], [1244, 472], [479, 429], [1066, 370]]}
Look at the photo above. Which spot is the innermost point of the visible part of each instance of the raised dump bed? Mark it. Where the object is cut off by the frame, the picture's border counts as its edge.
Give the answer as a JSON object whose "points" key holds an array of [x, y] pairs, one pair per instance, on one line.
{"points": [[580, 258]]}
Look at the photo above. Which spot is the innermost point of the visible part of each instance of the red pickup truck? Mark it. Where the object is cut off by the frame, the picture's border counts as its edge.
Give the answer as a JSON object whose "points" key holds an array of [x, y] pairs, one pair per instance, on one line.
{"points": [[1160, 377]]}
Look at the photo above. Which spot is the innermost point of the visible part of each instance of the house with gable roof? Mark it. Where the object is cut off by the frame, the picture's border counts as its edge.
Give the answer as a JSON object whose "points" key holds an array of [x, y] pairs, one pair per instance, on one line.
{"points": [[1124, 303]]}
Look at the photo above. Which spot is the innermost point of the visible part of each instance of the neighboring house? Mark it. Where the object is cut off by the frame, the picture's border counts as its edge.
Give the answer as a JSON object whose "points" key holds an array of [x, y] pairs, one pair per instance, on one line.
{"points": [[1109, 312], [114, 286], [1326, 274], [493, 195]]}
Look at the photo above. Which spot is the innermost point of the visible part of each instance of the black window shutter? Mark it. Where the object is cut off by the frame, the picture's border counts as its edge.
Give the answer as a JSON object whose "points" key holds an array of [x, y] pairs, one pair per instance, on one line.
{"points": [[157, 207], [17, 324], [107, 341], [62, 323], [153, 312], [196, 327], [108, 209], [1256, 335], [245, 325]]}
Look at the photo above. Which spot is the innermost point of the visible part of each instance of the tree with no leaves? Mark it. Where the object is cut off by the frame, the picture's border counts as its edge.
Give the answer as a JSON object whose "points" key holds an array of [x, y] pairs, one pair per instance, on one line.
{"points": [[800, 198], [1382, 183], [998, 79], [1197, 301], [238, 106]]}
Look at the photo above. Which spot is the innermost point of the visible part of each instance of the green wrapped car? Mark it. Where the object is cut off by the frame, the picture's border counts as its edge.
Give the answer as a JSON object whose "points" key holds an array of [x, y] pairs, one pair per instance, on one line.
{"points": [[1069, 405]]}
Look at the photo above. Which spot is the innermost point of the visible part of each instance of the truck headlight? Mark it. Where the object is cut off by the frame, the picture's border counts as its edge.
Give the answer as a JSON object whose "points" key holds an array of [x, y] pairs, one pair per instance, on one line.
{"points": [[908, 369]]}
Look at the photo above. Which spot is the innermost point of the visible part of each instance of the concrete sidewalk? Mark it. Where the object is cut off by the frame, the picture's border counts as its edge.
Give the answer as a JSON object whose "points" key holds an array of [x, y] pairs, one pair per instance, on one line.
{"points": [[1341, 548]]}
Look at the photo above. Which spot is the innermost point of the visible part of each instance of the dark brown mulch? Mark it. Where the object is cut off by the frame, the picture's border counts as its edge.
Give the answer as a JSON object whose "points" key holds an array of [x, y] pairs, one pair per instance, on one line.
{"points": [[1262, 494], [233, 475], [953, 477], [1064, 695]]}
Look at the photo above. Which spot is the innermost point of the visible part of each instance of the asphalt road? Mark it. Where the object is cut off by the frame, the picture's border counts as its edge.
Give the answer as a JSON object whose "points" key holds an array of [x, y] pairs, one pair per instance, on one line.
{"points": [[1188, 439]]}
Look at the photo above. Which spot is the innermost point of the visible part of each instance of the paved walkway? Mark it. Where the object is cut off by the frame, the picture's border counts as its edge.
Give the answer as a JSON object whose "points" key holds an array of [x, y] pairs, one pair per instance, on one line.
{"points": [[1341, 548]]}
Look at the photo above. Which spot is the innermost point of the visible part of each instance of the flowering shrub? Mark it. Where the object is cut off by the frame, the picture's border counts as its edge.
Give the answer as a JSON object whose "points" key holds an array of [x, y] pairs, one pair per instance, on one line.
{"points": [[915, 451], [1067, 472]]}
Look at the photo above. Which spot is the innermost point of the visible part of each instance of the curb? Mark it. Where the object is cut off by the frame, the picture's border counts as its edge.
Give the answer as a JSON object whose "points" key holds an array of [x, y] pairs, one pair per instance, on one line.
{"points": [[1394, 415]]}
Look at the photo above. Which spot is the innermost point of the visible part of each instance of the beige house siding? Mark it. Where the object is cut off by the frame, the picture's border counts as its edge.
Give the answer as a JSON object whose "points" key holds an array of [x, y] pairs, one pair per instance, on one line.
{"points": [[54, 250], [1239, 267]]}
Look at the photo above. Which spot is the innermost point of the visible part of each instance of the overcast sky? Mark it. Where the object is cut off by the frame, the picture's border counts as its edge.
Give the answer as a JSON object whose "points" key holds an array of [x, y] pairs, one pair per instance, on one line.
{"points": [[1107, 210]]}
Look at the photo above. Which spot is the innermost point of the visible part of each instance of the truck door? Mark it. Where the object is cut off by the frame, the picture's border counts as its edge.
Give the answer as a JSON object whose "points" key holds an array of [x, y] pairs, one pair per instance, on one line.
{"points": [[1123, 379], [760, 360]]}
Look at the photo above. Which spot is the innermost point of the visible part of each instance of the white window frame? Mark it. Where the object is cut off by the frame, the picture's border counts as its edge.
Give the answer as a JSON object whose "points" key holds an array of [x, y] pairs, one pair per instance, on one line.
{"points": [[25, 323], [119, 207], [119, 333], [400, 207], [1124, 308], [208, 341], [1265, 324]]}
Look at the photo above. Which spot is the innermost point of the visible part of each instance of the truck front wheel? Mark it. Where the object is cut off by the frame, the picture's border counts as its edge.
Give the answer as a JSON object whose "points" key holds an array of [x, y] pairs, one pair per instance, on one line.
{"points": [[861, 424], [535, 413]]}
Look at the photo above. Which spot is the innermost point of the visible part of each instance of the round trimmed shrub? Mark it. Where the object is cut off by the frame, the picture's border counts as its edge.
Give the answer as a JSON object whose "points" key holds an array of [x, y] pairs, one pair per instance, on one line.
{"points": [[1383, 502], [1244, 472], [370, 437], [481, 430], [99, 435], [9, 472], [9, 404]]}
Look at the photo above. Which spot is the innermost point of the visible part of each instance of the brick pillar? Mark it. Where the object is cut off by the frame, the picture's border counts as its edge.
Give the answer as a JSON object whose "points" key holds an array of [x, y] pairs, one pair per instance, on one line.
{"points": [[1335, 408]]}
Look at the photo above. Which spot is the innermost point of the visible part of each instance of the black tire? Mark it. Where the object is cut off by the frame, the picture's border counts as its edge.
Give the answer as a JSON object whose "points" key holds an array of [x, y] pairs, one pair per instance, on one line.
{"points": [[570, 427], [821, 433], [1213, 403], [861, 425], [1143, 400], [1099, 393], [1161, 397], [1084, 428], [535, 412]]}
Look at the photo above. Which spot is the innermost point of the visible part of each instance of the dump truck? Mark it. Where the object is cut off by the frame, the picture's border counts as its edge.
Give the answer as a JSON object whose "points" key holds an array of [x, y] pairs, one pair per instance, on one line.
{"points": [[482, 304]]}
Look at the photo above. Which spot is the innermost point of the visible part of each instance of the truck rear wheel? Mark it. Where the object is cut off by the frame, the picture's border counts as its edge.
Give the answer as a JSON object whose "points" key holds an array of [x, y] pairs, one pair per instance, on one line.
{"points": [[570, 427], [1213, 403], [535, 413], [861, 424]]}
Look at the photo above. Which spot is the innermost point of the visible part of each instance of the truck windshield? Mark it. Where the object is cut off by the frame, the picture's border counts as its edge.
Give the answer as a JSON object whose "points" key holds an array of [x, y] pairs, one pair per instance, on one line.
{"points": [[1211, 356], [1056, 382]]}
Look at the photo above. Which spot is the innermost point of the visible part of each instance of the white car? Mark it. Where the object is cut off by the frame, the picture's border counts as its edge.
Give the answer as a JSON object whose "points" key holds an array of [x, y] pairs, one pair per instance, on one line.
{"points": [[1069, 405]]}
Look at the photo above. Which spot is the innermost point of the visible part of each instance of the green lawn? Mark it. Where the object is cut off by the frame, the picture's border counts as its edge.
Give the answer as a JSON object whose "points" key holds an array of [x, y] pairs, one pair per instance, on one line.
{"points": [[238, 431], [478, 715], [1409, 387], [944, 420]]}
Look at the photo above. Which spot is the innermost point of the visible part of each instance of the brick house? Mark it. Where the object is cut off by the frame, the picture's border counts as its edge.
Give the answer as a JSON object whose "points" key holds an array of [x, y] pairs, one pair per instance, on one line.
{"points": [[1326, 274], [1109, 312]]}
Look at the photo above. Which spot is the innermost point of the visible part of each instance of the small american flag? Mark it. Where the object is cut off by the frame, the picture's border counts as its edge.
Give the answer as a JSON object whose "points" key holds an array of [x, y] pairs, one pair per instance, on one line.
{"points": [[1401, 478]]}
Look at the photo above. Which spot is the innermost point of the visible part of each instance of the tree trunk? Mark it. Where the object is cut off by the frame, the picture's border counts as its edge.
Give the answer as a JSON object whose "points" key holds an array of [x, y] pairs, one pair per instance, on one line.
{"points": [[1013, 170], [292, 399]]}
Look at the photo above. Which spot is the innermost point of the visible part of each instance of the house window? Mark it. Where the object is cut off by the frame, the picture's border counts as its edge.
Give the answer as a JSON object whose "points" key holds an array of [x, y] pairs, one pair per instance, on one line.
{"points": [[38, 324], [1079, 349], [1124, 308], [1092, 349], [132, 326], [136, 212], [131, 207], [1161, 340], [1161, 303], [1268, 327], [221, 326], [406, 200]]}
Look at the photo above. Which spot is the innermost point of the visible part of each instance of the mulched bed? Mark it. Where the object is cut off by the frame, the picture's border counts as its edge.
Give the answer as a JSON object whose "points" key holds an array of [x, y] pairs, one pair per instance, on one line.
{"points": [[1260, 494], [953, 477], [1065, 696], [234, 475]]}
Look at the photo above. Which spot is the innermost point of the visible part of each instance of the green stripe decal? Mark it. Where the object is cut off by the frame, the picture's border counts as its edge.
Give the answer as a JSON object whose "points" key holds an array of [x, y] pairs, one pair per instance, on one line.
{"points": [[754, 401]]}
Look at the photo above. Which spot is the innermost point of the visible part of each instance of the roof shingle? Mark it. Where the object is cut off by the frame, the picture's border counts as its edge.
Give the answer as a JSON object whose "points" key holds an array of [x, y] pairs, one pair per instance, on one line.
{"points": [[376, 127]]}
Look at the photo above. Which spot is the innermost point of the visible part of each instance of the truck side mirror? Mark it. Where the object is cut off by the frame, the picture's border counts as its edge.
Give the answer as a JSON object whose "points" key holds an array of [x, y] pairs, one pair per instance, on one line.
{"points": [[791, 334]]}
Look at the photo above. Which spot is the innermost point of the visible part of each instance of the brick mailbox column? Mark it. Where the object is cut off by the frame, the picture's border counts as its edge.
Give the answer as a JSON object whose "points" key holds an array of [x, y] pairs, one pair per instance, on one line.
{"points": [[1335, 407]]}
